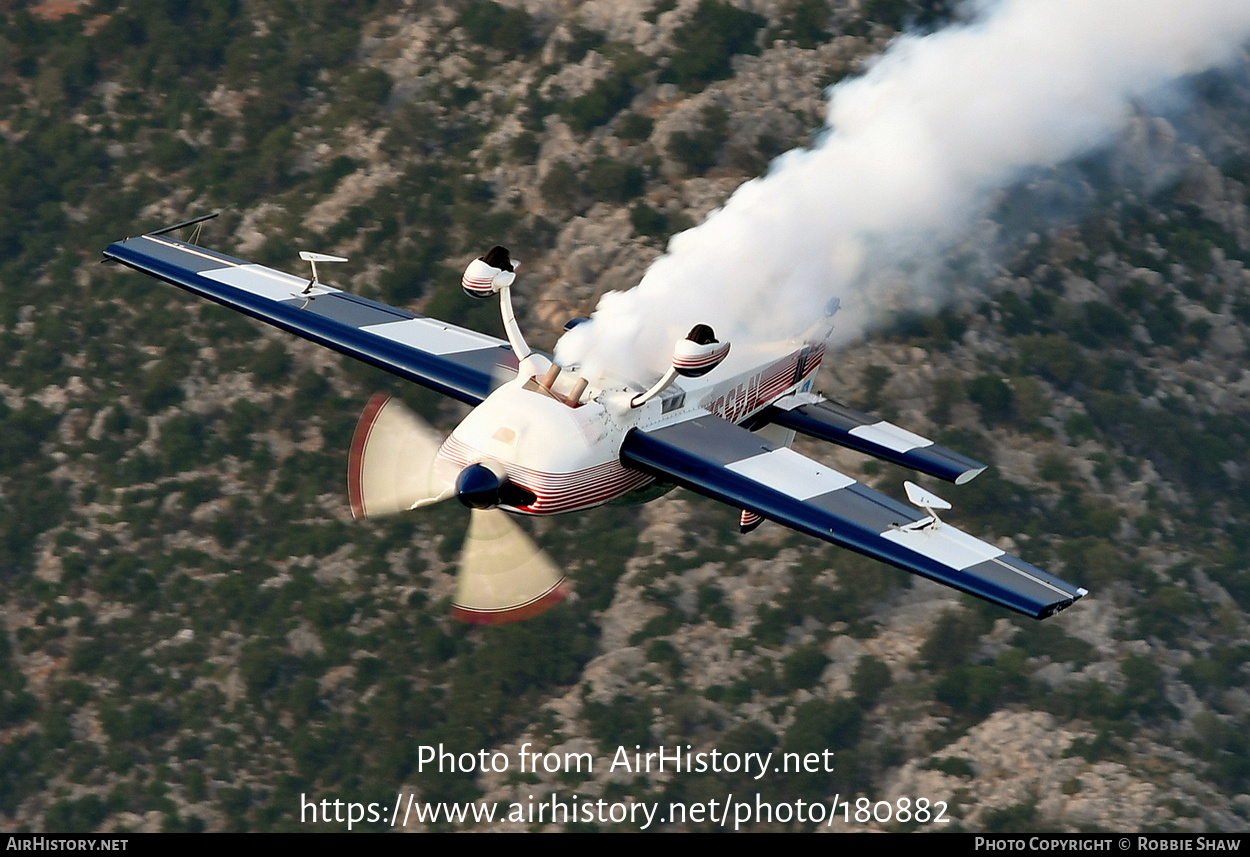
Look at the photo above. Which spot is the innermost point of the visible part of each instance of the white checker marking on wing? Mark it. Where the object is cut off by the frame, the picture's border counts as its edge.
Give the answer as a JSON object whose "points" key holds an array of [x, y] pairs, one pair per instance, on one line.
{"points": [[947, 545], [790, 473], [891, 436], [260, 280], [430, 336]]}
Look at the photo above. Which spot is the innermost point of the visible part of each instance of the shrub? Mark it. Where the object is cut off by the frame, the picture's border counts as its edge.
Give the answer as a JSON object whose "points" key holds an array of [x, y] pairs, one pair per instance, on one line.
{"points": [[1053, 357], [634, 127], [992, 395], [560, 186], [494, 26], [623, 722], [604, 100], [368, 85], [804, 23], [870, 680], [698, 151], [710, 39], [614, 181], [802, 668], [647, 221], [820, 723], [952, 640]]}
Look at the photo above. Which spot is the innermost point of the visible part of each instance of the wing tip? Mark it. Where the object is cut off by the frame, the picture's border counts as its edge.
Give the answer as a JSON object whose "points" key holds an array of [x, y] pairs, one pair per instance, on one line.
{"points": [[517, 613], [356, 454]]}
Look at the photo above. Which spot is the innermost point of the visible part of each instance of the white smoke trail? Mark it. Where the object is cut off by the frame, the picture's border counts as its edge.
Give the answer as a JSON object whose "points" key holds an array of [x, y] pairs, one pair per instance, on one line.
{"points": [[914, 149]]}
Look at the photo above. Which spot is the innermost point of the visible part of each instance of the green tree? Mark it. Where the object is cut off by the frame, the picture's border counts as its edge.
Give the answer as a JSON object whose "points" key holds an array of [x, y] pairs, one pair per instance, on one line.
{"points": [[708, 42]]}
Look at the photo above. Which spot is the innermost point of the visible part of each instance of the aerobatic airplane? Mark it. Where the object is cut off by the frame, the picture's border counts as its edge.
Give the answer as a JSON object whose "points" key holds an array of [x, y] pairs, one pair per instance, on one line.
{"points": [[543, 440]]}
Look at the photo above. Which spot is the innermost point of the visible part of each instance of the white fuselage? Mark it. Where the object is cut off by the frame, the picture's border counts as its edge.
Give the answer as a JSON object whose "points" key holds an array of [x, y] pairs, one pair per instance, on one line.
{"points": [[568, 453]]}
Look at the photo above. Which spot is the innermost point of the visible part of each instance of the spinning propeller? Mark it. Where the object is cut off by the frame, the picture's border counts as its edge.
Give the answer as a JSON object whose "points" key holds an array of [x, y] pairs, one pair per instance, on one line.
{"points": [[394, 467]]}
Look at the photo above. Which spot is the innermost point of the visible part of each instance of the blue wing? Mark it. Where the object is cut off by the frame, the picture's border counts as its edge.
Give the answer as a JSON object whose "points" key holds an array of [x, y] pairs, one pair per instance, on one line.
{"points": [[454, 361], [725, 462]]}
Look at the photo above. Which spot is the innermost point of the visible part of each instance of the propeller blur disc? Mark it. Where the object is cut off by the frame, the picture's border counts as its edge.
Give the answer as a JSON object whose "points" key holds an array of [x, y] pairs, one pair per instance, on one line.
{"points": [[391, 464], [504, 577]]}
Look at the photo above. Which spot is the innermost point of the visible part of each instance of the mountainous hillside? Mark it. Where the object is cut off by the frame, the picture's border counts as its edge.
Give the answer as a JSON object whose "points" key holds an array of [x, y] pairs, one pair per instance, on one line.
{"points": [[197, 636]]}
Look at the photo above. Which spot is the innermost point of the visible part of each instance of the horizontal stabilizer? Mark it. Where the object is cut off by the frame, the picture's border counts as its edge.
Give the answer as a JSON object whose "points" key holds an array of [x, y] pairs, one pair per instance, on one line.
{"points": [[817, 417]]}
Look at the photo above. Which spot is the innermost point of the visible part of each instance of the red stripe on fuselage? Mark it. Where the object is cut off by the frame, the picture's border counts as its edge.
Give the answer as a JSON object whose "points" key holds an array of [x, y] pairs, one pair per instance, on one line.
{"points": [[765, 386], [558, 492], [581, 489]]}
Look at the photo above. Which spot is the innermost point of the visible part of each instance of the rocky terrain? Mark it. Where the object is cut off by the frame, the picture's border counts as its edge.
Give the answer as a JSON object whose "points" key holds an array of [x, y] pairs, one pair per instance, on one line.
{"points": [[196, 634]]}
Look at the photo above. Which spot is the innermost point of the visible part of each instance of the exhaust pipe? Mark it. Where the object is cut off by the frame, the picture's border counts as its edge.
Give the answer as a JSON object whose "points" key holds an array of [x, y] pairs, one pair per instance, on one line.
{"points": [[549, 379]]}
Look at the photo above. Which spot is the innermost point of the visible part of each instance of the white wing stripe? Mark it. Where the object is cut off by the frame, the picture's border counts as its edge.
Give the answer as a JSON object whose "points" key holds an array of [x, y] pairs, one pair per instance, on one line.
{"points": [[793, 474], [259, 280], [950, 546], [431, 336]]}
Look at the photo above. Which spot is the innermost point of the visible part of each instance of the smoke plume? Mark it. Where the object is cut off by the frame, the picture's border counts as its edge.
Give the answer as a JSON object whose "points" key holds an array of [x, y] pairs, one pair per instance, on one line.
{"points": [[912, 152]]}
